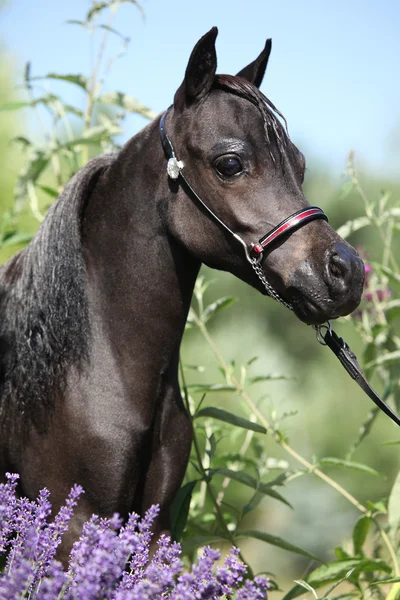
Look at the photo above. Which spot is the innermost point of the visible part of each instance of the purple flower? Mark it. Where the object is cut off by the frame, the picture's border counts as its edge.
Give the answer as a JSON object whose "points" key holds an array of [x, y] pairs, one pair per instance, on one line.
{"points": [[109, 561], [254, 590], [380, 295], [7, 509]]}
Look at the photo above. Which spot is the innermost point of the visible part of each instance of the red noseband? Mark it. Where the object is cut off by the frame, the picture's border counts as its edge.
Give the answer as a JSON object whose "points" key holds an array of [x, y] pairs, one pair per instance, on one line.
{"points": [[296, 220]]}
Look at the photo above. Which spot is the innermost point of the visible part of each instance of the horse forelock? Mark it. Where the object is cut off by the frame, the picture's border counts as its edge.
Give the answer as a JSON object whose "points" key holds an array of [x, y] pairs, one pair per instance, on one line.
{"points": [[44, 325], [274, 130]]}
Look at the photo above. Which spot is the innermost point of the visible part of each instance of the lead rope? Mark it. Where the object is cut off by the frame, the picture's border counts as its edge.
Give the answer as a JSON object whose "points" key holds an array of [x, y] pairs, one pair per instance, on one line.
{"points": [[325, 334]]}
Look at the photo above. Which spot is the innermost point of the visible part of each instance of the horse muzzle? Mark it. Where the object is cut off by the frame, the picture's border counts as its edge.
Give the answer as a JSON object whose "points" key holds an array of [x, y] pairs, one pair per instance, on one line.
{"points": [[335, 292]]}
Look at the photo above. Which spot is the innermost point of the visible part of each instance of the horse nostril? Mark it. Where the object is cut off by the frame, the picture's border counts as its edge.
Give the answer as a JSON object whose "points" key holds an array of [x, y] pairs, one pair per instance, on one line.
{"points": [[337, 265], [341, 266]]}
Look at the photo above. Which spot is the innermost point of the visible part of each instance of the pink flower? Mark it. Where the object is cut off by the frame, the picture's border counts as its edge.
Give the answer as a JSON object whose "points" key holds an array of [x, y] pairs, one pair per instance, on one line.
{"points": [[380, 294]]}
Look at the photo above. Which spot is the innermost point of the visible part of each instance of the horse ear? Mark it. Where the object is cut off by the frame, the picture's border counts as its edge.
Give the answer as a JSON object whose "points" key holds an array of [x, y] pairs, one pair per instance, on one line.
{"points": [[254, 72], [200, 71]]}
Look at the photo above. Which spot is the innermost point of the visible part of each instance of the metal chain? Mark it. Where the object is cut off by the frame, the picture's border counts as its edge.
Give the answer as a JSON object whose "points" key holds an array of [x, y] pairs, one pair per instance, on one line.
{"points": [[271, 292]]}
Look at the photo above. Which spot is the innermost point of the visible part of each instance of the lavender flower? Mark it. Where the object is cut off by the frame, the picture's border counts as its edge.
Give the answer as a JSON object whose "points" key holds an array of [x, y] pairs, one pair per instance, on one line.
{"points": [[7, 509], [109, 561]]}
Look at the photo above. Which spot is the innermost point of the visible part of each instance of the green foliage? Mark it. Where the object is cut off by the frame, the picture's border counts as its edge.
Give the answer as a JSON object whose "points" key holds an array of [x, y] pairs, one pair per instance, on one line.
{"points": [[230, 472], [214, 515], [69, 135]]}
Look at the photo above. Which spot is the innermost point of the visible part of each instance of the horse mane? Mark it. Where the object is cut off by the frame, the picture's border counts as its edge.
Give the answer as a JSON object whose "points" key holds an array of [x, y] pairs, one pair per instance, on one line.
{"points": [[44, 325], [274, 130], [44, 320]]}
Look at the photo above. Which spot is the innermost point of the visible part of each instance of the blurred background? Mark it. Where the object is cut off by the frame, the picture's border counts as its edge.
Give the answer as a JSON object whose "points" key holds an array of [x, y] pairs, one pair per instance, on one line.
{"points": [[333, 73]]}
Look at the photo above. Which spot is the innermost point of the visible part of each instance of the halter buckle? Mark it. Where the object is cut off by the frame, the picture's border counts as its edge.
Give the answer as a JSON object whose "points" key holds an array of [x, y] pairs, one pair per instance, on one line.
{"points": [[257, 251], [319, 332]]}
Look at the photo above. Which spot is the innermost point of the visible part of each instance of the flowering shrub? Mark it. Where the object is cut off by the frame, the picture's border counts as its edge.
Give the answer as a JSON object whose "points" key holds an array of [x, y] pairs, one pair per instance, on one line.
{"points": [[230, 472], [109, 561]]}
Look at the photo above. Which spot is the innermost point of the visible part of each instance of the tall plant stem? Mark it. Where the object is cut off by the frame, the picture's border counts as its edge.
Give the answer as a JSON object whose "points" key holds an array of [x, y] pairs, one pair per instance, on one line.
{"points": [[395, 588], [371, 214], [309, 466], [93, 87], [218, 512]]}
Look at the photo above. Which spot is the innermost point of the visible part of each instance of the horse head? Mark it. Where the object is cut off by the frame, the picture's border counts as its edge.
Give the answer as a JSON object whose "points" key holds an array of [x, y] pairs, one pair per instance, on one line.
{"points": [[228, 140]]}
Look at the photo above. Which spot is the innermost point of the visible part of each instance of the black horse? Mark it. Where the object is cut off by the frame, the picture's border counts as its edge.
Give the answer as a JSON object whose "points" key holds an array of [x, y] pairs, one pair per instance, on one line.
{"points": [[93, 310]]}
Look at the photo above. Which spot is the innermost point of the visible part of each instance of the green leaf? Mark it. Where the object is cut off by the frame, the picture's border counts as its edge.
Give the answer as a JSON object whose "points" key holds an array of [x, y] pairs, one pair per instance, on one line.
{"points": [[346, 596], [364, 429], [180, 510], [213, 446], [78, 79], [394, 506], [274, 541], [348, 464], [216, 307], [338, 570], [307, 587], [370, 352], [346, 189], [136, 3], [30, 173], [385, 359], [264, 488], [393, 212], [227, 417], [335, 585], [208, 388], [27, 74], [14, 105], [112, 30], [252, 504], [48, 100], [392, 310], [198, 541], [360, 533], [94, 135], [25, 143], [131, 105], [50, 191], [76, 22], [382, 581], [354, 225], [73, 110], [394, 277], [198, 368], [377, 507], [252, 360], [294, 592], [258, 378], [96, 8], [334, 570], [341, 554], [18, 238]]}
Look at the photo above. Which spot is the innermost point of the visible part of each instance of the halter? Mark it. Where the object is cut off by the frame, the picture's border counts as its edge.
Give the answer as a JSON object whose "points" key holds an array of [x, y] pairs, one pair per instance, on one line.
{"points": [[254, 253]]}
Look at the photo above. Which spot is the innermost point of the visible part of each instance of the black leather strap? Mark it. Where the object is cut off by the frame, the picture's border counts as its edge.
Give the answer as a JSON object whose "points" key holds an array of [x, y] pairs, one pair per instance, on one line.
{"points": [[329, 338], [291, 223], [349, 362]]}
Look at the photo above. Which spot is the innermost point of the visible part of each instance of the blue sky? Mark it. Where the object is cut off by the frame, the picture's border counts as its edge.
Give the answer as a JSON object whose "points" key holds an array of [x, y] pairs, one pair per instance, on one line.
{"points": [[333, 72]]}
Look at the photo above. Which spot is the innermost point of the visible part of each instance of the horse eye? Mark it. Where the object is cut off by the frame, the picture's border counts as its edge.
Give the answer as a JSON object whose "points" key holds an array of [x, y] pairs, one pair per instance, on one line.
{"points": [[228, 166]]}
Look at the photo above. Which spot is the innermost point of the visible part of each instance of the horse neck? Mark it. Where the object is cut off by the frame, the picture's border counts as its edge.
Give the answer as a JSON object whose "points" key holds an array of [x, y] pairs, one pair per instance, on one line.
{"points": [[140, 280]]}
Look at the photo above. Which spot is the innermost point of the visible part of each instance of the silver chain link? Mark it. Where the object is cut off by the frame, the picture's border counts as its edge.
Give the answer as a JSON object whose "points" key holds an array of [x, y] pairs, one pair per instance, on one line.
{"points": [[271, 292]]}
